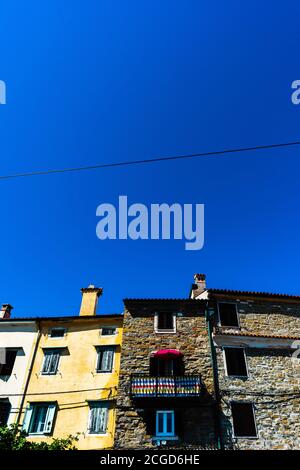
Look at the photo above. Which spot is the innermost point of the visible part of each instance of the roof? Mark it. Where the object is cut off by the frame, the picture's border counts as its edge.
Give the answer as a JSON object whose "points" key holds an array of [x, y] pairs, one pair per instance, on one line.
{"points": [[254, 294], [148, 305], [253, 335], [62, 318]]}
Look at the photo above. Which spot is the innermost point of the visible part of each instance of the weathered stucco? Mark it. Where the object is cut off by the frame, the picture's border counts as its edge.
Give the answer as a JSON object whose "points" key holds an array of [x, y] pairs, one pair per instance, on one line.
{"points": [[76, 381]]}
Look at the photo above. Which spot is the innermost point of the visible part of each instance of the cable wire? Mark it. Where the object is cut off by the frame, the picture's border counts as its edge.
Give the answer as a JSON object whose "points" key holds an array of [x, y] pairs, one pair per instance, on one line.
{"points": [[145, 161]]}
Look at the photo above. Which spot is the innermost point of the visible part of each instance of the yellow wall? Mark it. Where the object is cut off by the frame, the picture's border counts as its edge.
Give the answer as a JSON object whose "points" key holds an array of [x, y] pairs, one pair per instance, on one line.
{"points": [[76, 381]]}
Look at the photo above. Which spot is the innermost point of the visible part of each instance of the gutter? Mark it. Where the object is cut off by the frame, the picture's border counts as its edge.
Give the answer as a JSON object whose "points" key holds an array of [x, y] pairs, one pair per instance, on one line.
{"points": [[209, 313], [39, 334]]}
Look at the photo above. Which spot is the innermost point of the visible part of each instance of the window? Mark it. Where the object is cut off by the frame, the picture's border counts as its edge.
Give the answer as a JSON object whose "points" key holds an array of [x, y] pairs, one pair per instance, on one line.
{"points": [[162, 367], [51, 361], [105, 358], [57, 332], [235, 362], [39, 418], [165, 322], [108, 331], [98, 418], [5, 407], [165, 423], [9, 361], [243, 420], [228, 315]]}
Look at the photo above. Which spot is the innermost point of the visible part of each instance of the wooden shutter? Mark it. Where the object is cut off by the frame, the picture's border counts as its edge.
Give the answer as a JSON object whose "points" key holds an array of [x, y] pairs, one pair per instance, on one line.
{"points": [[107, 359], [50, 418], [27, 418]]}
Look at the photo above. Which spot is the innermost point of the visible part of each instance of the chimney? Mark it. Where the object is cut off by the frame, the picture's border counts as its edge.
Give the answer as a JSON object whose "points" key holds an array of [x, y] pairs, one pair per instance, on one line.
{"points": [[89, 301], [199, 285], [5, 311]]}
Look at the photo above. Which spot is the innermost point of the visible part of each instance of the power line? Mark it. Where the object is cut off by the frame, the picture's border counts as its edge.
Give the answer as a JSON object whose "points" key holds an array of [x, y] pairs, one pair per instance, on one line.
{"points": [[148, 160]]}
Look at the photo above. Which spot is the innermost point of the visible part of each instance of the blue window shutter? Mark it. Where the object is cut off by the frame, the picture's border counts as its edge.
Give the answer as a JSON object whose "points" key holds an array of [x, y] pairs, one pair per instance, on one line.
{"points": [[50, 418], [27, 418]]}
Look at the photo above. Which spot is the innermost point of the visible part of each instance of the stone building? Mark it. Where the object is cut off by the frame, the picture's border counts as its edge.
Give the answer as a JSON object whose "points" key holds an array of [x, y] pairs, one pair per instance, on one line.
{"points": [[256, 340], [165, 395], [219, 369]]}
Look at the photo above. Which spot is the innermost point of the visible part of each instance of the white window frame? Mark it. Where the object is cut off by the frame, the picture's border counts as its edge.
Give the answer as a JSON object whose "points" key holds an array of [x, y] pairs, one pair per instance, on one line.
{"points": [[237, 315], [105, 405], [225, 363], [165, 435], [170, 331], [110, 328], [254, 419], [57, 328], [45, 351], [113, 361]]}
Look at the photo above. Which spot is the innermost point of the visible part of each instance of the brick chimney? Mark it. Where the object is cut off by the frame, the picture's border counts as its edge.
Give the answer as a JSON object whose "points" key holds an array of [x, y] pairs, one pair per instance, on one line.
{"points": [[89, 300], [5, 311], [199, 285]]}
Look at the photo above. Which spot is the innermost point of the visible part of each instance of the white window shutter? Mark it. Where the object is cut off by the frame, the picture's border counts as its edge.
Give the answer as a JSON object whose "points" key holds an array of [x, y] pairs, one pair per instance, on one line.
{"points": [[55, 360], [107, 360], [155, 322], [46, 363], [103, 419], [50, 418], [27, 418]]}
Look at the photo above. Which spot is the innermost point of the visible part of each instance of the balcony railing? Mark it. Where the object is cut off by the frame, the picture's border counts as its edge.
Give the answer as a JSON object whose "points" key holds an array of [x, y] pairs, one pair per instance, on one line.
{"points": [[175, 386]]}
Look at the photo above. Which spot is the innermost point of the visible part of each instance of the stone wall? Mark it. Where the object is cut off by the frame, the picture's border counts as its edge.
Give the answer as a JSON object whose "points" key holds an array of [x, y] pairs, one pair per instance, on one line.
{"points": [[139, 340], [273, 385]]}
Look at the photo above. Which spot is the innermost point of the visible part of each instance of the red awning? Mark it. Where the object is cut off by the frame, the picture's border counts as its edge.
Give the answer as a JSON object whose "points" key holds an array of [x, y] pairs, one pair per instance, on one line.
{"points": [[167, 353]]}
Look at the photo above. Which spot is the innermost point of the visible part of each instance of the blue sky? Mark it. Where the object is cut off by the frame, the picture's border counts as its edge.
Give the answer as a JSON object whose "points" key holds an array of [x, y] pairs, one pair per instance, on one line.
{"points": [[94, 82]]}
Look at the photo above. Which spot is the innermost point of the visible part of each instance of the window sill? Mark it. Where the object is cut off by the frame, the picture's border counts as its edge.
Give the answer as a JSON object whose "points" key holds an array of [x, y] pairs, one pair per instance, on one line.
{"points": [[246, 437], [165, 438], [242, 377], [100, 434], [166, 332]]}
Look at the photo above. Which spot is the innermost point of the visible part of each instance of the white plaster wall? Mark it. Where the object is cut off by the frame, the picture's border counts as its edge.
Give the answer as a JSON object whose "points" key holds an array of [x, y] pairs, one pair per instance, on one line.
{"points": [[17, 335]]}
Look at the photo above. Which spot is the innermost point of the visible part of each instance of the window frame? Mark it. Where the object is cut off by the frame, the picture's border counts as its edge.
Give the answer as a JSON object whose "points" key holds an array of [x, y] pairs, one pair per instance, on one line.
{"points": [[165, 331], [98, 404], [48, 351], [57, 328], [225, 363], [254, 420], [104, 346], [109, 328], [238, 327], [6, 410], [33, 407], [9, 350], [164, 435]]}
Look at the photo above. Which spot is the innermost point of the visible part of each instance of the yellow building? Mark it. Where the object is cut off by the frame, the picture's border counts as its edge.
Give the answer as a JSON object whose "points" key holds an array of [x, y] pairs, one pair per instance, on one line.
{"points": [[73, 378]]}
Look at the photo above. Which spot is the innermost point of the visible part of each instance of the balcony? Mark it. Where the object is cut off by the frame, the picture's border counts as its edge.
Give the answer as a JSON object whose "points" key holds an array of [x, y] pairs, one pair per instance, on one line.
{"points": [[143, 386]]}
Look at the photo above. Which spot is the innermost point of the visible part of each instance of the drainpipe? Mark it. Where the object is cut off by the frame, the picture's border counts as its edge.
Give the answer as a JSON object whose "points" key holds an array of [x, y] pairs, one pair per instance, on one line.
{"points": [[209, 313], [39, 333]]}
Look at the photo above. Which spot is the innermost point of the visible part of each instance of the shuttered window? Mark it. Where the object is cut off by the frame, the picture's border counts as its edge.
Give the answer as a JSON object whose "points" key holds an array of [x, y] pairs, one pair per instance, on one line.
{"points": [[39, 418], [98, 418], [105, 358], [51, 361], [108, 331]]}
